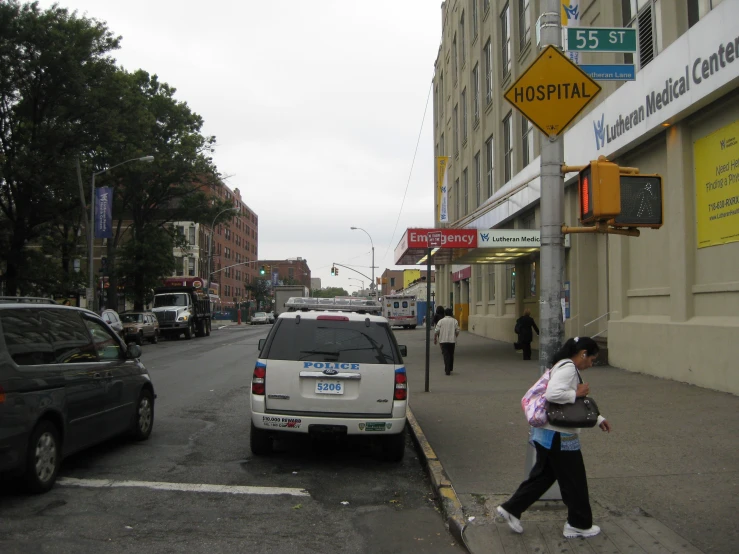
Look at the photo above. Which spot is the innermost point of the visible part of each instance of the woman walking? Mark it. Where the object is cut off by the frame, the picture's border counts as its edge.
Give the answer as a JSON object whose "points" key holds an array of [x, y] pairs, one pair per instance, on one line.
{"points": [[525, 327], [558, 456]]}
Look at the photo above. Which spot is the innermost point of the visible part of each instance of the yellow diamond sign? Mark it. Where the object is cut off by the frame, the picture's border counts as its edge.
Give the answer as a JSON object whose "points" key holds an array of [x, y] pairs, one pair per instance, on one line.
{"points": [[552, 91]]}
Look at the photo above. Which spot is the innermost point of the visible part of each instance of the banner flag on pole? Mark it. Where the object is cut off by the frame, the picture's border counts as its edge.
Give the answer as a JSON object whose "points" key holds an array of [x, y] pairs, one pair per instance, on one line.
{"points": [[571, 18], [443, 188], [104, 213]]}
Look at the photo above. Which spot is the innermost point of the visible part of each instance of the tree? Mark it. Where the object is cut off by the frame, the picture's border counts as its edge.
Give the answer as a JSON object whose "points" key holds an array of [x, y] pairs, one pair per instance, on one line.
{"points": [[54, 65], [260, 289], [329, 292]]}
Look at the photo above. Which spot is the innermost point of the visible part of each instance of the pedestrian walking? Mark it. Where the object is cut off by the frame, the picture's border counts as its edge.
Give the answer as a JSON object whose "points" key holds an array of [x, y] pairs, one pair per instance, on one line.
{"points": [[558, 456], [525, 327], [446, 333], [438, 315]]}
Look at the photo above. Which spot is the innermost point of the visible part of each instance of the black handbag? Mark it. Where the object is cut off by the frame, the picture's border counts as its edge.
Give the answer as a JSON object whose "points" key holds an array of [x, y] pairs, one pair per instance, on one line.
{"points": [[583, 413]]}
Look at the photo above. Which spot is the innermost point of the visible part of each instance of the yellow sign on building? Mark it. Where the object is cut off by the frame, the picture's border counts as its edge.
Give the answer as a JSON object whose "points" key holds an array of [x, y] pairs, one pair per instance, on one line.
{"points": [[717, 186], [552, 91]]}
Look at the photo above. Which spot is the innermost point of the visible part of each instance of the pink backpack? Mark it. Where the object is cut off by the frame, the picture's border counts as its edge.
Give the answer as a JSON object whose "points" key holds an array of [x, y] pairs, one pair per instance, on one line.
{"points": [[533, 402]]}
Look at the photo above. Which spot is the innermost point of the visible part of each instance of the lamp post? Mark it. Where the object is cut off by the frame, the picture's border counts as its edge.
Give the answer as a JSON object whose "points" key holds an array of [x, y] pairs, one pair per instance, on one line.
{"points": [[210, 244], [355, 279], [372, 283], [91, 227]]}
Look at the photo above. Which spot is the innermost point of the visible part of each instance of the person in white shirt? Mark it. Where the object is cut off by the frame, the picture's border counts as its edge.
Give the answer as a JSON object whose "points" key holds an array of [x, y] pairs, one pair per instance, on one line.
{"points": [[446, 333], [558, 456]]}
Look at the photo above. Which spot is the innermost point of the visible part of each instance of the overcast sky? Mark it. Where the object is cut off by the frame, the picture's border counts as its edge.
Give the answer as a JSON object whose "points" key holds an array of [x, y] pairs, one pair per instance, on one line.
{"points": [[316, 106]]}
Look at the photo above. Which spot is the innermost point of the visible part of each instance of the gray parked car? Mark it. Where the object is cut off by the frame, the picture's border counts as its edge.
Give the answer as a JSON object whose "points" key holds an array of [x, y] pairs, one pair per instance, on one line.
{"points": [[67, 382]]}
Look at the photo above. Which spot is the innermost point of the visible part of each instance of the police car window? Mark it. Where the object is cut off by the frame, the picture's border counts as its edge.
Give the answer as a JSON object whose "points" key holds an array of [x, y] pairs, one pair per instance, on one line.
{"points": [[27, 341], [106, 344], [323, 340], [405, 303], [69, 337]]}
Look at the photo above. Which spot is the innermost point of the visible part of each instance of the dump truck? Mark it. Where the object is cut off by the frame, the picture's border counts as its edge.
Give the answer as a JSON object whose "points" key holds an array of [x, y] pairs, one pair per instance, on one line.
{"points": [[182, 307]]}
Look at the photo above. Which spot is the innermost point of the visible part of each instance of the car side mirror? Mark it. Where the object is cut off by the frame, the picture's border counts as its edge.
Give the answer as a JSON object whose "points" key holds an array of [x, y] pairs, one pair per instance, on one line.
{"points": [[133, 351], [403, 349], [262, 342]]}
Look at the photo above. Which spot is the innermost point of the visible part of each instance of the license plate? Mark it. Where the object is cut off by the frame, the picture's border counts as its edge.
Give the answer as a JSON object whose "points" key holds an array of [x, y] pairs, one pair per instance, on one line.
{"points": [[329, 387]]}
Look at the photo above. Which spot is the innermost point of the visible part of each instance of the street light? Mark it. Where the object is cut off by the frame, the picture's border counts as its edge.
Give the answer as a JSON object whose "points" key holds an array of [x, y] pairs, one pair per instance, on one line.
{"points": [[372, 283], [355, 279], [210, 243], [91, 226]]}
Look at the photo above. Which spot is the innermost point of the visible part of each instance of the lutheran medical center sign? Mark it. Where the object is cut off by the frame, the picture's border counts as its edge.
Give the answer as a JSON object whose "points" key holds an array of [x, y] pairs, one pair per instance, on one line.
{"points": [[708, 58]]}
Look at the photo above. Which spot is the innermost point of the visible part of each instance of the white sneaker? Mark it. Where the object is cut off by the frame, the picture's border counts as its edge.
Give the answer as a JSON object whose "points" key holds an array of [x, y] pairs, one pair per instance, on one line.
{"points": [[513, 522], [573, 532]]}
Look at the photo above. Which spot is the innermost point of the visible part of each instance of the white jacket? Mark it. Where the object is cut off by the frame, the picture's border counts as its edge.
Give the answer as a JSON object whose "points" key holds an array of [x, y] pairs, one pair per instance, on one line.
{"points": [[562, 389]]}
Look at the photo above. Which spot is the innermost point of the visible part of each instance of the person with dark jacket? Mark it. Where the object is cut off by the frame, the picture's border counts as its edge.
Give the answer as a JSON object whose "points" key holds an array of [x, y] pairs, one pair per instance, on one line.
{"points": [[438, 315], [524, 326]]}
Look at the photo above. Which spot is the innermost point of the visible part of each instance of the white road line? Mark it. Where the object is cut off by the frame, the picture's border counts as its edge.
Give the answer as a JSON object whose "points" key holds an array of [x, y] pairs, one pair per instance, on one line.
{"points": [[183, 487]]}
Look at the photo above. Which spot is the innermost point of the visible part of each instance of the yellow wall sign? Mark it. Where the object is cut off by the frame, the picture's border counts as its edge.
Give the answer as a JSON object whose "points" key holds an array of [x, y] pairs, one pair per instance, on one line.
{"points": [[552, 91], [716, 159]]}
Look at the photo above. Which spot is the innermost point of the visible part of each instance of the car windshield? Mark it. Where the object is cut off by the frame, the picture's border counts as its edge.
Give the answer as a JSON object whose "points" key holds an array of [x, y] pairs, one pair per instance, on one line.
{"points": [[164, 300], [260, 314], [323, 340], [132, 318]]}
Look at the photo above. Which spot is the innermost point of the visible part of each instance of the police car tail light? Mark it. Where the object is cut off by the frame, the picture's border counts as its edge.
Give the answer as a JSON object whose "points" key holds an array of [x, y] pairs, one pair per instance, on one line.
{"points": [[333, 317], [257, 380], [401, 386]]}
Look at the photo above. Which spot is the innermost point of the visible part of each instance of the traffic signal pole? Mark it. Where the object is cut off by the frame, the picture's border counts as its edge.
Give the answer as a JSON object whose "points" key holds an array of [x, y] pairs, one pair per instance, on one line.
{"points": [[552, 216]]}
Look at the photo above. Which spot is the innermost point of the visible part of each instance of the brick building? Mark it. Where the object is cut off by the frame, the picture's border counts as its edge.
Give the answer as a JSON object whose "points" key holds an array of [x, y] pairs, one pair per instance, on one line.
{"points": [[289, 272]]}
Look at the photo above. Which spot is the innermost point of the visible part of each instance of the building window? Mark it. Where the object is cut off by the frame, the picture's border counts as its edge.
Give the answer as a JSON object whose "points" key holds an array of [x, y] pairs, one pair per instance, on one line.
{"points": [[476, 94], [457, 209], [507, 148], [227, 271], [465, 186], [191, 238], [524, 27], [698, 9], [639, 14], [491, 282], [454, 59], [528, 221], [455, 124], [505, 36], [464, 116], [510, 281], [392, 281], [442, 99], [485, 6], [530, 276], [441, 145], [474, 20], [478, 282], [489, 164], [191, 267], [461, 38], [478, 178], [489, 71], [527, 141], [178, 266]]}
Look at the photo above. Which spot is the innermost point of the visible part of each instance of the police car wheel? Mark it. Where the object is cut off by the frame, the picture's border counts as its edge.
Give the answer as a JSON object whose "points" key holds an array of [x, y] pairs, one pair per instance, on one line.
{"points": [[259, 441]]}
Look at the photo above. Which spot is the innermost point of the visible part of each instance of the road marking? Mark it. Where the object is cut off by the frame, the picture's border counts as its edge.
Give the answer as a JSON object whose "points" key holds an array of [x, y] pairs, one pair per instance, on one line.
{"points": [[183, 487]]}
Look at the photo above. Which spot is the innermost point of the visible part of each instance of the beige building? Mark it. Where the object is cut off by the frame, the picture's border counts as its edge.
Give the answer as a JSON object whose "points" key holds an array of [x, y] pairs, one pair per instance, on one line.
{"points": [[665, 303]]}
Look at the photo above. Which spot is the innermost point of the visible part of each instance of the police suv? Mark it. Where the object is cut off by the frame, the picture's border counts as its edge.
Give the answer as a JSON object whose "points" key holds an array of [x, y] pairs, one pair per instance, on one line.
{"points": [[330, 367]]}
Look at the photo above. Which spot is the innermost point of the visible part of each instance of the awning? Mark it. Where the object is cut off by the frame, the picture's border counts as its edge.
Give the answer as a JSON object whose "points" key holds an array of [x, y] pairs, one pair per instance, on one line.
{"points": [[469, 246]]}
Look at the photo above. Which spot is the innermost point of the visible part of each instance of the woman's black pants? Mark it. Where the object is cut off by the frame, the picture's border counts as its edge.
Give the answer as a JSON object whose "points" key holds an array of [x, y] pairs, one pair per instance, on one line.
{"points": [[565, 467]]}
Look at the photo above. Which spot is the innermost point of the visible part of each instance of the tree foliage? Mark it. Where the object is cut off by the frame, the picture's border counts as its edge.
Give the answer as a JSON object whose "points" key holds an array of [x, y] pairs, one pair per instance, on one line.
{"points": [[260, 289], [329, 292]]}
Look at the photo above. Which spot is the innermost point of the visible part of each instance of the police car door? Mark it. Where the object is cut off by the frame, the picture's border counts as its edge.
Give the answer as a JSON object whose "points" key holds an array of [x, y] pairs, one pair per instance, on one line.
{"points": [[330, 364]]}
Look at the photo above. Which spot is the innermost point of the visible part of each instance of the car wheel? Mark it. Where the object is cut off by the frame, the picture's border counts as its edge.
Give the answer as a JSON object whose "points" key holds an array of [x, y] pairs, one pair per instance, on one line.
{"points": [[155, 338], [393, 447], [189, 332], [43, 458], [140, 338], [260, 441], [143, 419], [207, 328]]}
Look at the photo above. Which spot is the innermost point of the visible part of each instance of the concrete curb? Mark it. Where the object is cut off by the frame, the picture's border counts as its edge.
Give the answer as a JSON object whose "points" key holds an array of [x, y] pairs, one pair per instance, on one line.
{"points": [[450, 505]]}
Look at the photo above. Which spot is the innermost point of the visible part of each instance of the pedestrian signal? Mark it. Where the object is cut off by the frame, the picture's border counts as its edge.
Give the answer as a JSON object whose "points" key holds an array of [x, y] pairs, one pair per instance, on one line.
{"points": [[599, 191], [641, 202]]}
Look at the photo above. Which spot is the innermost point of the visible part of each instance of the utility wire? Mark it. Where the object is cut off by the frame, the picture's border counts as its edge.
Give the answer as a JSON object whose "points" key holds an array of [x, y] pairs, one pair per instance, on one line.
{"points": [[420, 131]]}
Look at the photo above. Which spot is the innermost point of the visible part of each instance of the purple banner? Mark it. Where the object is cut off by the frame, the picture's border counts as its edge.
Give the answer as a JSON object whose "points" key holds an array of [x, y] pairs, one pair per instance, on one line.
{"points": [[104, 213]]}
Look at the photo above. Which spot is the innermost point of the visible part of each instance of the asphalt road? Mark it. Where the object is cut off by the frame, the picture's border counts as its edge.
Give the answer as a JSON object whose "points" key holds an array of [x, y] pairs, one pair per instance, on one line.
{"points": [[149, 497]]}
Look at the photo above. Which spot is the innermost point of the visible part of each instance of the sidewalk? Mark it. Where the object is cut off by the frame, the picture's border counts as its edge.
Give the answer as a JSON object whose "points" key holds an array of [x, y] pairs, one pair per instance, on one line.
{"points": [[665, 480]]}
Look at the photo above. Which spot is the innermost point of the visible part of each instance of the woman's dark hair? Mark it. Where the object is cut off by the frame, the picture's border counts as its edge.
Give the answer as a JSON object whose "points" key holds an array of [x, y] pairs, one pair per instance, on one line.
{"points": [[448, 311], [573, 346], [440, 310]]}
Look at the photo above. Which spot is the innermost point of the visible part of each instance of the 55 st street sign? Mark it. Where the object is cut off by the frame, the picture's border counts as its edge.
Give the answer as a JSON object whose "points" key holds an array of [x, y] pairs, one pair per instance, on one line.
{"points": [[601, 39]]}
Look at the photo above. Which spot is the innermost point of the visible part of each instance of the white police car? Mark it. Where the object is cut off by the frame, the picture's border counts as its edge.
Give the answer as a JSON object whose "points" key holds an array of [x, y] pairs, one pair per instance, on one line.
{"points": [[330, 366]]}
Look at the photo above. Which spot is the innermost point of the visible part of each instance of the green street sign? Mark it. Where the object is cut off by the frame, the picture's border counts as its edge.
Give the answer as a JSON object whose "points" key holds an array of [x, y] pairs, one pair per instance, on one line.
{"points": [[601, 39]]}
